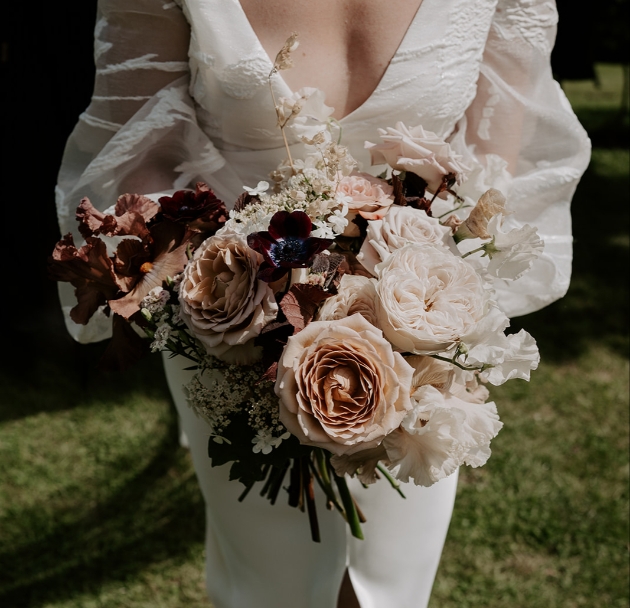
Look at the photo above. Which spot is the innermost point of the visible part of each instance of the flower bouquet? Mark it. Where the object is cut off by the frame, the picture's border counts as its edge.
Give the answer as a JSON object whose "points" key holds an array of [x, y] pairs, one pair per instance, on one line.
{"points": [[338, 323]]}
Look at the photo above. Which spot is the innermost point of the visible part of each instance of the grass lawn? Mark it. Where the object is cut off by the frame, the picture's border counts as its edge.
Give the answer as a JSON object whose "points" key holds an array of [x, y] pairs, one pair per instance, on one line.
{"points": [[99, 506]]}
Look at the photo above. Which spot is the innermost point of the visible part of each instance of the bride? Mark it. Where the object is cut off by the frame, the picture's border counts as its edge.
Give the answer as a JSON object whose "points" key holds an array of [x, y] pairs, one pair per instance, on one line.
{"points": [[181, 95]]}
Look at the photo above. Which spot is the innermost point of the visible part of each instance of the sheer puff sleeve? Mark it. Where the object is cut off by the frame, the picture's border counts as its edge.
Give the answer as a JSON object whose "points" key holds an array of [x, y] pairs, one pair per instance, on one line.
{"points": [[522, 130], [139, 133]]}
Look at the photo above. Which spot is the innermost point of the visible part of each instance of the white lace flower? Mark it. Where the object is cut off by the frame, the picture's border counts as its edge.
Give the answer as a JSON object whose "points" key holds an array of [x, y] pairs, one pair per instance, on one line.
{"points": [[323, 231], [261, 188], [155, 300], [161, 336], [338, 220], [265, 442]]}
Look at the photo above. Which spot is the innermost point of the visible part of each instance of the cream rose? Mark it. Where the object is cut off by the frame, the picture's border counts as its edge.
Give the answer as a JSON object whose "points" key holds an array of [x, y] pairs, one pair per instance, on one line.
{"points": [[428, 298], [419, 151], [401, 226], [355, 294], [222, 302], [341, 387], [367, 196]]}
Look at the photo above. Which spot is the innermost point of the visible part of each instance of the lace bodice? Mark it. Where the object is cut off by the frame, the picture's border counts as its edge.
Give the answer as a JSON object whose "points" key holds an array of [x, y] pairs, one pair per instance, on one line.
{"points": [[181, 95]]}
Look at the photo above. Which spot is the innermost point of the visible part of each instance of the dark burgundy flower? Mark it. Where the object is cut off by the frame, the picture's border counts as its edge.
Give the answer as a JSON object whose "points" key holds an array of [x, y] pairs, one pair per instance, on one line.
{"points": [[287, 244], [198, 209]]}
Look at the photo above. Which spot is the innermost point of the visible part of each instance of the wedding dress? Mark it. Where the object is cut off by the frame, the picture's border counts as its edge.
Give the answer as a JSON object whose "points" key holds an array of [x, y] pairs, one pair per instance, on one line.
{"points": [[181, 95]]}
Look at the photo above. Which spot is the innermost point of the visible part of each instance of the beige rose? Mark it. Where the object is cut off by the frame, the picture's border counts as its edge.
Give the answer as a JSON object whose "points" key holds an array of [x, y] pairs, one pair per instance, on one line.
{"points": [[367, 196], [419, 151], [341, 387], [428, 298], [355, 294], [222, 302], [401, 226]]}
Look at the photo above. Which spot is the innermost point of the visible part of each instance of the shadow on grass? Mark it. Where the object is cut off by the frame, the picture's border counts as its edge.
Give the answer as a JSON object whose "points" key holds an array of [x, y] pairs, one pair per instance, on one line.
{"points": [[595, 310], [156, 516], [51, 372]]}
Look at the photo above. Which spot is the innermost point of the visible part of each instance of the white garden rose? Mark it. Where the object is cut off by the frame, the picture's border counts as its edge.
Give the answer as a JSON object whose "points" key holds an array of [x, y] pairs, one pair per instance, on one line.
{"points": [[401, 226], [341, 386], [428, 298], [222, 302], [421, 152], [355, 294]]}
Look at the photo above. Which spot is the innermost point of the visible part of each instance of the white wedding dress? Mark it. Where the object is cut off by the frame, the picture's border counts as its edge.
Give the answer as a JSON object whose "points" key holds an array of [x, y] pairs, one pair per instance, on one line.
{"points": [[181, 95]]}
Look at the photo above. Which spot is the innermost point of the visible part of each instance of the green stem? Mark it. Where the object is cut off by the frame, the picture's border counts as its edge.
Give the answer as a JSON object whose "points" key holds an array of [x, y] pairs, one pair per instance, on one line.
{"points": [[245, 492], [465, 255], [468, 368], [269, 481], [391, 480], [348, 504], [327, 489], [284, 137], [309, 498]]}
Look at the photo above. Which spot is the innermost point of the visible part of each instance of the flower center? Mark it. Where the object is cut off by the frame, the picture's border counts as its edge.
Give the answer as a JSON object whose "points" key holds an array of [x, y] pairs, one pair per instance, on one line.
{"points": [[289, 249]]}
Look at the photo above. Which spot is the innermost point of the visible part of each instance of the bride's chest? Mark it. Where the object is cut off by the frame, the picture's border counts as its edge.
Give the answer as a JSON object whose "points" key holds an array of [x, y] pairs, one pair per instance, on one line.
{"points": [[430, 78]]}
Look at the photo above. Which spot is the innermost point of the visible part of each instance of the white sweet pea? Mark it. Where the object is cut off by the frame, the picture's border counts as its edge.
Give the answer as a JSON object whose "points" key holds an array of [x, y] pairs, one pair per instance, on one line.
{"points": [[511, 253], [439, 434], [513, 356], [261, 188]]}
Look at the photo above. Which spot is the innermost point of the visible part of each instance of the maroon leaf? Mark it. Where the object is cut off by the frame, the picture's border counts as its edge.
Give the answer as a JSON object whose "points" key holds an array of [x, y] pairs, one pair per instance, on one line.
{"points": [[131, 215], [137, 203], [270, 374], [89, 270], [168, 258], [88, 301], [399, 195], [300, 304]]}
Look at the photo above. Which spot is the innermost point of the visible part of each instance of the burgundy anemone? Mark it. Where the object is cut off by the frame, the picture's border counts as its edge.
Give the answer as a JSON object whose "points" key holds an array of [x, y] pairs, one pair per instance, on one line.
{"points": [[199, 209], [286, 245]]}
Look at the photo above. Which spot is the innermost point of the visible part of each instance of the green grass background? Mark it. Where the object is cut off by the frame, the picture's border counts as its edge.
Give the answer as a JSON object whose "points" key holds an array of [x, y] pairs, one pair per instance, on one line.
{"points": [[99, 506]]}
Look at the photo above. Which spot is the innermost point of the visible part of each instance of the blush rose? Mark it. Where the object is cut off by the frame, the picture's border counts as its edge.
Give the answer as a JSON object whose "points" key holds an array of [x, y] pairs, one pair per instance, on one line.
{"points": [[367, 196], [419, 151]]}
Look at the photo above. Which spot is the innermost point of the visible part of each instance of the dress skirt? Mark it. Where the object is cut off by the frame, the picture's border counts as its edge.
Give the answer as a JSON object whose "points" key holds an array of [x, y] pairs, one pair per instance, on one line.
{"points": [[260, 555]]}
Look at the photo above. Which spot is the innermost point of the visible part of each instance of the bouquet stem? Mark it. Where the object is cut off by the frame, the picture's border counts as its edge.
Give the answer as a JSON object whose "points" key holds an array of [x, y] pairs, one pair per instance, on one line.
{"points": [[352, 515], [309, 497], [391, 480]]}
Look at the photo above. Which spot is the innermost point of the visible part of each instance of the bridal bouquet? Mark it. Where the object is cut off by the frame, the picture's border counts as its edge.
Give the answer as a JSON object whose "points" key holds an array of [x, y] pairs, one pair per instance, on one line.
{"points": [[338, 323]]}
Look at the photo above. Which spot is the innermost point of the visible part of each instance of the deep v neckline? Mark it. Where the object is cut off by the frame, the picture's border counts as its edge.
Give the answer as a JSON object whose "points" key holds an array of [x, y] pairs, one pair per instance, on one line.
{"points": [[403, 42]]}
